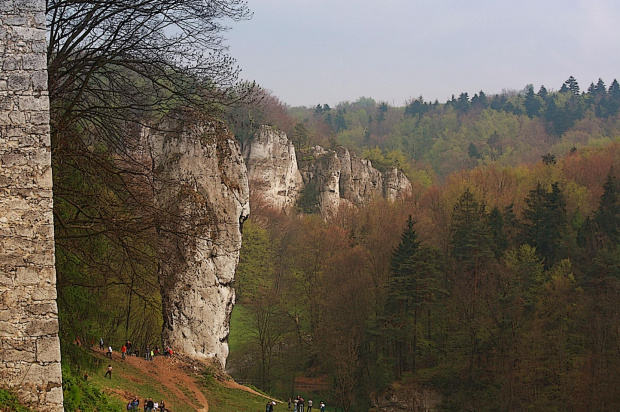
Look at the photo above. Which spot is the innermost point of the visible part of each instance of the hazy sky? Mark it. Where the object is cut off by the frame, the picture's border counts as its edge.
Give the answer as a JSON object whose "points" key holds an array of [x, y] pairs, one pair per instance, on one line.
{"points": [[327, 51]]}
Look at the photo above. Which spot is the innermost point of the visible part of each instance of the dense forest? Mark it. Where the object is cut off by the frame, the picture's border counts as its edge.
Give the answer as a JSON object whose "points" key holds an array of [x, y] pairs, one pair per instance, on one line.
{"points": [[496, 284]]}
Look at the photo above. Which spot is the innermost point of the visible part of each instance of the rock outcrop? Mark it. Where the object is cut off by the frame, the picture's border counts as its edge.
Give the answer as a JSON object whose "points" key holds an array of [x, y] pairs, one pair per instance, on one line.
{"points": [[272, 168], [341, 179], [29, 344], [331, 179], [396, 186], [202, 189]]}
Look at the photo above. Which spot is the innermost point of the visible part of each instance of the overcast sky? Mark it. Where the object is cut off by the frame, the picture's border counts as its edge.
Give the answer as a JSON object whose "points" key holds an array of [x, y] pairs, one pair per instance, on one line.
{"points": [[328, 51]]}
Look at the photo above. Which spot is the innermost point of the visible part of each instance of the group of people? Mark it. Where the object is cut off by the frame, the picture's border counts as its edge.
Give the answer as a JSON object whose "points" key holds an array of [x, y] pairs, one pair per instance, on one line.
{"points": [[299, 404], [149, 405], [128, 350]]}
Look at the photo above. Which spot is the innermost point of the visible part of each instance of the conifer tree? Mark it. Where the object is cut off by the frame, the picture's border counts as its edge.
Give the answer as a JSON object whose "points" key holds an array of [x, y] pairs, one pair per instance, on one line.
{"points": [[545, 222], [532, 103], [498, 235], [542, 92], [614, 90], [401, 297], [608, 214], [471, 235]]}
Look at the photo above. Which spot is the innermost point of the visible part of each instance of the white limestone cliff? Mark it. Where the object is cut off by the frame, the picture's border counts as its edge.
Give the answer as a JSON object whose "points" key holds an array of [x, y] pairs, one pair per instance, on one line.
{"points": [[332, 179], [396, 186], [202, 188], [272, 168], [342, 179]]}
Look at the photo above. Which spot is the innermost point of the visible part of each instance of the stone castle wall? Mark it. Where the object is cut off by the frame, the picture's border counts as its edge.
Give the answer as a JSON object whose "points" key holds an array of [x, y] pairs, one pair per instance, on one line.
{"points": [[29, 343]]}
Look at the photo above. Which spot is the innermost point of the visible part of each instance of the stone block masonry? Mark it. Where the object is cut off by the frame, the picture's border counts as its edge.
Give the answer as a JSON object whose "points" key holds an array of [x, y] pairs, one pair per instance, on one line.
{"points": [[29, 344]]}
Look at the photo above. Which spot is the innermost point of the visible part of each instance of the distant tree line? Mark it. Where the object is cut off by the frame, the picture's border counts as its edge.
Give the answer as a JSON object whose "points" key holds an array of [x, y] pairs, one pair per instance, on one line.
{"points": [[437, 139]]}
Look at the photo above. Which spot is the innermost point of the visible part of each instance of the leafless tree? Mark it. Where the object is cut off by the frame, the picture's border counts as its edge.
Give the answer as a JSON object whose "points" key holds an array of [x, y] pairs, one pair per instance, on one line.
{"points": [[113, 66]]}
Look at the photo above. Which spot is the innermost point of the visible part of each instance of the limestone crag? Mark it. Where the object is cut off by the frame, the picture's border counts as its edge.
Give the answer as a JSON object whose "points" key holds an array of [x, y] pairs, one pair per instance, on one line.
{"points": [[330, 179], [342, 179], [29, 344], [359, 181], [322, 176], [396, 186], [202, 189], [272, 168]]}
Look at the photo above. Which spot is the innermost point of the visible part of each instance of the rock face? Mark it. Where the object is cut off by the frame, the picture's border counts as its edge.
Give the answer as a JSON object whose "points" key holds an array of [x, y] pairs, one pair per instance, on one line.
{"points": [[272, 168], [341, 179], [396, 186], [331, 180], [29, 344], [202, 188]]}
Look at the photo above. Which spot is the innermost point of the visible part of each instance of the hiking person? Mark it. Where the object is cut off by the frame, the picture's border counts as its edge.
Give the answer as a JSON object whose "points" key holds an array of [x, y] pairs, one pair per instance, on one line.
{"points": [[301, 404], [136, 403], [123, 352], [296, 402], [162, 406], [289, 404], [309, 405], [109, 353], [148, 353], [109, 372], [101, 344], [269, 407], [129, 406], [322, 406], [150, 405]]}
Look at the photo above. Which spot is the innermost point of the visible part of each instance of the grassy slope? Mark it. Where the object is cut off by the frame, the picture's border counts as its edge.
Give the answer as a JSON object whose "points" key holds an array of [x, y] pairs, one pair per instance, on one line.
{"points": [[129, 381]]}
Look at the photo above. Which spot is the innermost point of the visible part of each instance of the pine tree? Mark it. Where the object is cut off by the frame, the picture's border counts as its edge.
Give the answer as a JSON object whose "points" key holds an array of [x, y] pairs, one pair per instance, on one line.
{"points": [[498, 235], [542, 92], [402, 298], [471, 236], [608, 215], [600, 88], [532, 103], [545, 222], [570, 85], [614, 90]]}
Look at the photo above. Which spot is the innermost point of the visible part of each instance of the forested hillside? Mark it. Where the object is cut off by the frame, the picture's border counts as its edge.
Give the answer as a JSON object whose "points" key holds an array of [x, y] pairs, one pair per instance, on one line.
{"points": [[496, 284], [431, 140]]}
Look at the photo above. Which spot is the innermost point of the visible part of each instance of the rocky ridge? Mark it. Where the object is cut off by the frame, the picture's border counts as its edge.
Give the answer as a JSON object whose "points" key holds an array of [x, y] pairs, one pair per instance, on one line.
{"points": [[329, 180]]}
